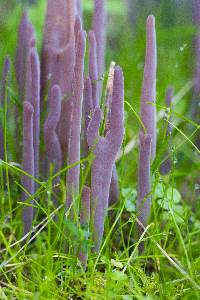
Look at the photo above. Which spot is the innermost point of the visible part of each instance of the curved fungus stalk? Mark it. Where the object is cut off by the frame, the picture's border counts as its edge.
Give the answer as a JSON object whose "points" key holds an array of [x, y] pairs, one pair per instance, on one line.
{"points": [[28, 165], [52, 143], [105, 150], [147, 137], [32, 94]]}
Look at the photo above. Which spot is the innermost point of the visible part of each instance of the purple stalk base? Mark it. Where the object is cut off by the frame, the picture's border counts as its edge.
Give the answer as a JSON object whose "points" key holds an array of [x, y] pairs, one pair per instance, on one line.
{"points": [[52, 144], [3, 84], [105, 150], [85, 221], [28, 164], [148, 98], [144, 183], [93, 68], [75, 128], [26, 40], [165, 168]]}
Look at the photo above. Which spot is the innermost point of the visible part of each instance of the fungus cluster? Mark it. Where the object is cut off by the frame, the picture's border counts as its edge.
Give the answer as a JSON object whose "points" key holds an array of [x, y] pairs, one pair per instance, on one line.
{"points": [[62, 107]]}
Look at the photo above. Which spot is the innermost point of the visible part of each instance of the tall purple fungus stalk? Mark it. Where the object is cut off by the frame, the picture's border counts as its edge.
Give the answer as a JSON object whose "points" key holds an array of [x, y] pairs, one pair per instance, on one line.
{"points": [[99, 26], [99, 20], [32, 94], [114, 185], [26, 40], [28, 165], [148, 98], [52, 144], [105, 150], [77, 28], [3, 86], [58, 58], [75, 122], [93, 68], [28, 77], [144, 181], [79, 8], [91, 92], [147, 136]]}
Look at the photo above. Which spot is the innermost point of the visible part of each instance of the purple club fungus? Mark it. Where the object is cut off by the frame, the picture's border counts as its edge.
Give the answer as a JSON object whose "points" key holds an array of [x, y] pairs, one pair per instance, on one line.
{"points": [[79, 8], [75, 122], [28, 165], [3, 86], [148, 98], [105, 150], [99, 20], [148, 133], [144, 182], [32, 94], [114, 185], [58, 58], [62, 78], [52, 144], [77, 28], [26, 40], [93, 68]]}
